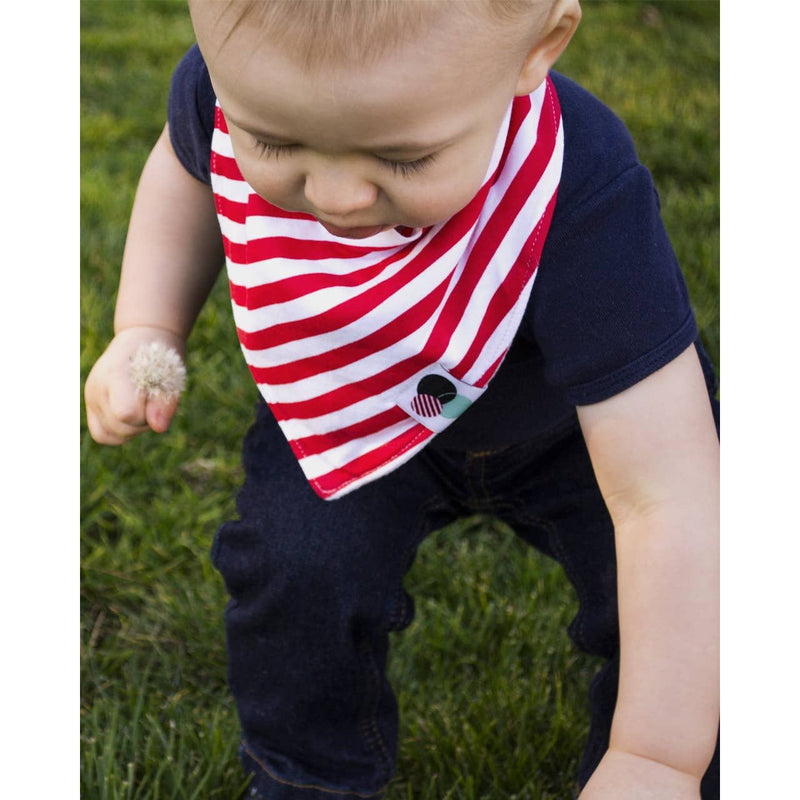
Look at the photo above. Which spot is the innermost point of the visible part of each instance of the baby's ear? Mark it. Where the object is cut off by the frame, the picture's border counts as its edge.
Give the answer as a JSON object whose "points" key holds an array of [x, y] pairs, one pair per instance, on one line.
{"points": [[555, 35]]}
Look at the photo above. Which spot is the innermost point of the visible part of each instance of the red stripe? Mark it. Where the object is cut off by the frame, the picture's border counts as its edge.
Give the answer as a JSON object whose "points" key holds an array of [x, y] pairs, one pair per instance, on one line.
{"points": [[319, 443], [231, 209], [305, 249], [226, 167], [396, 330], [219, 120], [426, 405], [297, 286], [289, 248], [259, 207], [520, 109], [337, 479], [238, 294], [233, 250]]}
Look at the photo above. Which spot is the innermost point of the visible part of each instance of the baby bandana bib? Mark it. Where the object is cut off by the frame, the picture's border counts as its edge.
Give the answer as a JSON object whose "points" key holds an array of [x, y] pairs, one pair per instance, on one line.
{"points": [[365, 349]]}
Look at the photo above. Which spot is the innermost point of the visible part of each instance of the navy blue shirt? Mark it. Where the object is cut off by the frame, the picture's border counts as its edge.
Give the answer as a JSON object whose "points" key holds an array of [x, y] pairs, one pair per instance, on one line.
{"points": [[609, 305]]}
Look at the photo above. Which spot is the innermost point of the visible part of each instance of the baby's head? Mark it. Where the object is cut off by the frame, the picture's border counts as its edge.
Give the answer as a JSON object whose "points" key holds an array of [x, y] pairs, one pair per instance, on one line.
{"points": [[370, 114]]}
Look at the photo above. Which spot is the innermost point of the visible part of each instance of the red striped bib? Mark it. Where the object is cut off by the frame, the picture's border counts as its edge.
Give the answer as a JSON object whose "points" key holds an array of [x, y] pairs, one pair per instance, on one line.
{"points": [[365, 349]]}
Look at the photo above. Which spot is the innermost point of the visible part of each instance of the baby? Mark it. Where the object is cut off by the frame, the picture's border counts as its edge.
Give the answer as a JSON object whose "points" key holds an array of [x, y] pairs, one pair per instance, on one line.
{"points": [[453, 289]]}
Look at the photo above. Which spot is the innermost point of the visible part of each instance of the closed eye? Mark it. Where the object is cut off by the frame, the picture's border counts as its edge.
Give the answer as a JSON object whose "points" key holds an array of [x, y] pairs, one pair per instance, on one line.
{"points": [[267, 150], [404, 168], [408, 168]]}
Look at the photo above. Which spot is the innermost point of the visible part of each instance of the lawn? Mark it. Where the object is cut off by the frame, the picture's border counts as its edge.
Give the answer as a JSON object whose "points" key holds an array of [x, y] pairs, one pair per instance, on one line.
{"points": [[492, 693]]}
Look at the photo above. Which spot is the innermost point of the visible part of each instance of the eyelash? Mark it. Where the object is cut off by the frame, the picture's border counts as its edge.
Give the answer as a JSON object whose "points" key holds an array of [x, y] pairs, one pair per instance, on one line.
{"points": [[266, 150], [403, 168], [408, 168]]}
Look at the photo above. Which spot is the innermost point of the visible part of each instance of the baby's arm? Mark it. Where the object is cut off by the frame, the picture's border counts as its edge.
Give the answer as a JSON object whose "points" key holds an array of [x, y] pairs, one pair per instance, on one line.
{"points": [[656, 456], [173, 254]]}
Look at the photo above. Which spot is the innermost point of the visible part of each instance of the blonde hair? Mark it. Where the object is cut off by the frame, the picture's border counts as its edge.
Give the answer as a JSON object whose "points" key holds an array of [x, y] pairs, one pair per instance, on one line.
{"points": [[361, 31]]}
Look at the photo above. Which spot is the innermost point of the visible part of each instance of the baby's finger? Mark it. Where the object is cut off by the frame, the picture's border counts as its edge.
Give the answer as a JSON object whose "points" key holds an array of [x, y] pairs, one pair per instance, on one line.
{"points": [[97, 430], [110, 431], [160, 411], [126, 408]]}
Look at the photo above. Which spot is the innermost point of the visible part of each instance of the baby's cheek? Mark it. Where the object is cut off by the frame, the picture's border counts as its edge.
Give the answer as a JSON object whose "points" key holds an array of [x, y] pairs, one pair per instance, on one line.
{"points": [[441, 200], [272, 181], [281, 193]]}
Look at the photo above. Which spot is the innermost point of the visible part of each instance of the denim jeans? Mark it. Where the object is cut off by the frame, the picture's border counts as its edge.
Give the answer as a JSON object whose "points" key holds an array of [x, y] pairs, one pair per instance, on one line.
{"points": [[316, 586]]}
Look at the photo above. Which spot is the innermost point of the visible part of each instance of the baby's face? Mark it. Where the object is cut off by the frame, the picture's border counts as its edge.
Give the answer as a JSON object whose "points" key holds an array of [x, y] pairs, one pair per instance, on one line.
{"points": [[406, 141]]}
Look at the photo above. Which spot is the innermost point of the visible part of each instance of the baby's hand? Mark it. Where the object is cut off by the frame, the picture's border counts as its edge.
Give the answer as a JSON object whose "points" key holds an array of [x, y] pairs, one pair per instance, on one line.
{"points": [[118, 403], [626, 776]]}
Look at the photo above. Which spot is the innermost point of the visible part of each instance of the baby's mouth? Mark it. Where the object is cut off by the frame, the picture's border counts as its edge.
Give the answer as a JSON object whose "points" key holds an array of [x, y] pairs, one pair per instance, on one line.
{"points": [[354, 233]]}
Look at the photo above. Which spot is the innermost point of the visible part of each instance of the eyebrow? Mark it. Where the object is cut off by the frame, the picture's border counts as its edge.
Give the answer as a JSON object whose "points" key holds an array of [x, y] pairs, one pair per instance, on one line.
{"points": [[386, 149]]}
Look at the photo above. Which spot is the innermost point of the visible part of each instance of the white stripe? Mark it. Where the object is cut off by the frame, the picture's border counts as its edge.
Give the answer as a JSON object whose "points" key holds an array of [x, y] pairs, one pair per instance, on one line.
{"points": [[223, 145], [384, 469], [266, 226], [500, 339], [235, 231], [499, 145], [230, 188]]}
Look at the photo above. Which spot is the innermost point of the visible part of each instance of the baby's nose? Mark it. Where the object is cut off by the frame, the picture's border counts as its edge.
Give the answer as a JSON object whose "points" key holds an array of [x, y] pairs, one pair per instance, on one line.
{"points": [[337, 191]]}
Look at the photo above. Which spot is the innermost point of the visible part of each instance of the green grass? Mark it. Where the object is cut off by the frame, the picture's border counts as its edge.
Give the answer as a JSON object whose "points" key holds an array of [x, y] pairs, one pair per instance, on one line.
{"points": [[492, 693]]}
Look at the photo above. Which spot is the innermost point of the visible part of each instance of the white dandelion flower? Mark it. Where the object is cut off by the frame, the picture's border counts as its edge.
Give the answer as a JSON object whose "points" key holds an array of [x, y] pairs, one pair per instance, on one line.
{"points": [[158, 371]]}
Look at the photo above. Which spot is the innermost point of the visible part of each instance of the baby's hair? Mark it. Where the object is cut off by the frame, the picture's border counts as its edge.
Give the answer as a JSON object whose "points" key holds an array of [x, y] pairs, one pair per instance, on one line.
{"points": [[361, 31]]}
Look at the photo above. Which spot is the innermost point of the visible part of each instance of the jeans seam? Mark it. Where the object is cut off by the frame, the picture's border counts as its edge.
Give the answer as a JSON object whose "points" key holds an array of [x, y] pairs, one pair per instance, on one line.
{"points": [[431, 504], [369, 723], [397, 608], [552, 534], [478, 495], [575, 579], [274, 777], [484, 488]]}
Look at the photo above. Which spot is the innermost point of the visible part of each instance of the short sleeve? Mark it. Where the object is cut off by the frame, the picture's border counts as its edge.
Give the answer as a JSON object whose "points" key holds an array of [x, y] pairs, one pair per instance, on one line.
{"points": [[609, 305], [190, 114]]}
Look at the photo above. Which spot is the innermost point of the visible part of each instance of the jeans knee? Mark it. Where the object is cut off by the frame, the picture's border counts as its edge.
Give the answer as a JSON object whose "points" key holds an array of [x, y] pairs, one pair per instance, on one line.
{"points": [[310, 571]]}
